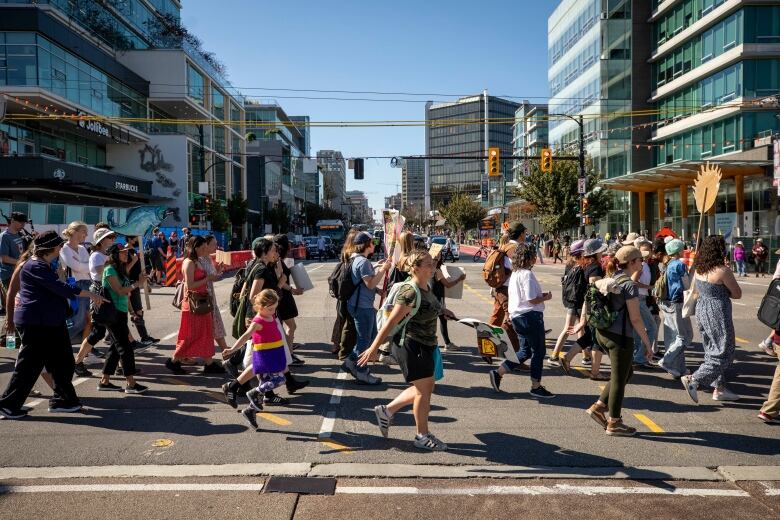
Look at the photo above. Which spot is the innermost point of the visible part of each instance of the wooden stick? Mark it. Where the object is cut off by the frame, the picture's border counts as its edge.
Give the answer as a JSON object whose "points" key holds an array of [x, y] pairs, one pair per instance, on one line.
{"points": [[141, 256]]}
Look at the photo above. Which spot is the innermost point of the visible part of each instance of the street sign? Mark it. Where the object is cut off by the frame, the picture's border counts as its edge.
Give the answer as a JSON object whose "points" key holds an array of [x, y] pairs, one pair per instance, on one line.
{"points": [[582, 185], [485, 190]]}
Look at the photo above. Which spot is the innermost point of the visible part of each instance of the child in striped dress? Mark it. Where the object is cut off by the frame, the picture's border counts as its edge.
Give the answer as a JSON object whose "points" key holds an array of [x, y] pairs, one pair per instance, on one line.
{"points": [[269, 359]]}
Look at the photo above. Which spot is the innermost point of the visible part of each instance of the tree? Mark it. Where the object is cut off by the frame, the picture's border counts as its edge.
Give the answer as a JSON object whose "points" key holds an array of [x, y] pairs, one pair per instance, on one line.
{"points": [[237, 209], [462, 212], [218, 216], [555, 198], [279, 218], [412, 214], [315, 212]]}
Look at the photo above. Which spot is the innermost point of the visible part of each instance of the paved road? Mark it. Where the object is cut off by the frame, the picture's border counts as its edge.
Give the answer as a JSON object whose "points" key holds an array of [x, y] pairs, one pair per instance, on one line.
{"points": [[184, 420]]}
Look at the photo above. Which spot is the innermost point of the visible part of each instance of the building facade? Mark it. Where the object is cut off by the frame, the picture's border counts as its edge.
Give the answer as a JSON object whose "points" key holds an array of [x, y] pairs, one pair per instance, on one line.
{"points": [[359, 212], [413, 183], [530, 135], [82, 82], [394, 202], [334, 173], [457, 130]]}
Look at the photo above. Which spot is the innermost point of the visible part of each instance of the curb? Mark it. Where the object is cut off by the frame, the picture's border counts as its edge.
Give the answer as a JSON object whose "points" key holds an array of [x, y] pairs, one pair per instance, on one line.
{"points": [[356, 470]]}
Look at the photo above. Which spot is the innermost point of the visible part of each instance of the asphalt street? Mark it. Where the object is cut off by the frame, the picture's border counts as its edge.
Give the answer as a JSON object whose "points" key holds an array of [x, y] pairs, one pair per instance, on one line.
{"points": [[183, 420]]}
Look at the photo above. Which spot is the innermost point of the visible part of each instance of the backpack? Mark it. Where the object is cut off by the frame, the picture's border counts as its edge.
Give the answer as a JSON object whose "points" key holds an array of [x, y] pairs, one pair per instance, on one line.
{"points": [[387, 308], [574, 288], [493, 272], [340, 283], [239, 286], [660, 289], [600, 313], [769, 310]]}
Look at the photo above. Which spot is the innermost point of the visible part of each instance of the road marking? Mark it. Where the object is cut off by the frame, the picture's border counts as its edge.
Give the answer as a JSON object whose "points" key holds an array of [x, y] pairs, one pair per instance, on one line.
{"points": [[36, 402], [328, 422], [742, 340], [559, 489], [479, 295], [170, 336], [279, 421], [653, 427], [83, 488], [335, 398], [740, 304], [318, 267], [339, 447]]}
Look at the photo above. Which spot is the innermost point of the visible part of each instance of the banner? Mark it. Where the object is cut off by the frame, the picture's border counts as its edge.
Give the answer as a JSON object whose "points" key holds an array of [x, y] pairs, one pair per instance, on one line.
{"points": [[725, 224]]}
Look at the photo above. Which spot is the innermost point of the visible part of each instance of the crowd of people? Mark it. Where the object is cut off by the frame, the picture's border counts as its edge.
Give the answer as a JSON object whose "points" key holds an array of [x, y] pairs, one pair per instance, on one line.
{"points": [[618, 296]]}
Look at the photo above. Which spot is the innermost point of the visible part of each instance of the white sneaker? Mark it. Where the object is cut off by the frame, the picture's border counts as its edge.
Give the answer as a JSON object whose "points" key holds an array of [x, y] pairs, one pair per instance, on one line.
{"points": [[724, 394], [387, 359], [383, 419], [767, 347], [691, 387]]}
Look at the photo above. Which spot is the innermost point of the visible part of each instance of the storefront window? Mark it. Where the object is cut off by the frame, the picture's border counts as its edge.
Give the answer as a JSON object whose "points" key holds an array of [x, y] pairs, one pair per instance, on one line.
{"points": [[91, 214], [37, 213], [217, 103], [56, 214]]}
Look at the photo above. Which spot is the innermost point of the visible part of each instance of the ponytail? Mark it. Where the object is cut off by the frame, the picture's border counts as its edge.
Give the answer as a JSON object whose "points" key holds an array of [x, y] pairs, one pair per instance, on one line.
{"points": [[612, 266]]}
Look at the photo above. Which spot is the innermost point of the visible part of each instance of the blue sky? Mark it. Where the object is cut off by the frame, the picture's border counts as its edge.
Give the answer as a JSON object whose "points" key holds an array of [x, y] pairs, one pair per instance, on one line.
{"points": [[423, 46]]}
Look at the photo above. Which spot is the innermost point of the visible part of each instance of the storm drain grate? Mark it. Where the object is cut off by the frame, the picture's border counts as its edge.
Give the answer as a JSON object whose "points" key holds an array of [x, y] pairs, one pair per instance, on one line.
{"points": [[301, 485]]}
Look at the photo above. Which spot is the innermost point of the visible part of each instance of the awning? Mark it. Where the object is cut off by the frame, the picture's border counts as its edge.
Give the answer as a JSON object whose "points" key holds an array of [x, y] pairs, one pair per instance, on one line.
{"points": [[681, 173]]}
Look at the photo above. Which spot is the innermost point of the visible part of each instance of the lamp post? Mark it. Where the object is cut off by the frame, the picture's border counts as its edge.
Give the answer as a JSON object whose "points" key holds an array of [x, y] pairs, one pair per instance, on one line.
{"points": [[581, 125]]}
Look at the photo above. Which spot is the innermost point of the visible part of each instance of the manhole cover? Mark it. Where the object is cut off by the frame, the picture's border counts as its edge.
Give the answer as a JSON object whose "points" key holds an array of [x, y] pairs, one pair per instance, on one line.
{"points": [[301, 485], [162, 443]]}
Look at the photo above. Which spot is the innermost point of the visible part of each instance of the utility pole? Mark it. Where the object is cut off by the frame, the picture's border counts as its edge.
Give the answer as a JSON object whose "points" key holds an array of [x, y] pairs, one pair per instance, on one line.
{"points": [[582, 174]]}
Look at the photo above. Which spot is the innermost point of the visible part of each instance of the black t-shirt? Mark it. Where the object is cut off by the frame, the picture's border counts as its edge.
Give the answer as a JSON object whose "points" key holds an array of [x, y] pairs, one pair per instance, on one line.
{"points": [[135, 272], [593, 271], [267, 273]]}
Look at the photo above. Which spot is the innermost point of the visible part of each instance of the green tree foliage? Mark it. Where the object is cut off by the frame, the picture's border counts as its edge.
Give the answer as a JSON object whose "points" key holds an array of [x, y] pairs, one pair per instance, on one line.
{"points": [[279, 218], [315, 212], [462, 212], [555, 198], [218, 216], [237, 210]]}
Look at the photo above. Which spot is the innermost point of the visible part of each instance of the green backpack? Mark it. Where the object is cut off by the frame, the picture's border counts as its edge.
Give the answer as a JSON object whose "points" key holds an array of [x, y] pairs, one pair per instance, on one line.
{"points": [[600, 314], [661, 288]]}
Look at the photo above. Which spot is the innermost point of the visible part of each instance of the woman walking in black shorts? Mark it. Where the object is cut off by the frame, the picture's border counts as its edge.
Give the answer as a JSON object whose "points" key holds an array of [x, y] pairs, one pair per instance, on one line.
{"points": [[416, 353]]}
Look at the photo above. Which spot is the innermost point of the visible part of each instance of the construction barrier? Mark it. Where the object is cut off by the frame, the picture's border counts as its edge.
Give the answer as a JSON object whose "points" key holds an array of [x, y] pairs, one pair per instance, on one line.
{"points": [[688, 257], [299, 252], [237, 260], [171, 275]]}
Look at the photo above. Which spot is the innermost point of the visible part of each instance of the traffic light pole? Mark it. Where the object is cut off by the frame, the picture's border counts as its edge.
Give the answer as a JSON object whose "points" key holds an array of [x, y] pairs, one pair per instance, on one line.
{"points": [[582, 174]]}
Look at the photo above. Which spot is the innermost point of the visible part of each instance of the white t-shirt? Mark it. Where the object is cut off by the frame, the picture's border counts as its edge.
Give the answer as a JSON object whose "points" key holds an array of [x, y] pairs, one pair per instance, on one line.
{"points": [[96, 259], [77, 261], [645, 279], [508, 261], [523, 287]]}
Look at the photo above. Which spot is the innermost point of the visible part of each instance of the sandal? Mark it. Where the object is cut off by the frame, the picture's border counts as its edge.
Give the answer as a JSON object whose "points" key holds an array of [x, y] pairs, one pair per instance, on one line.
{"points": [[598, 377]]}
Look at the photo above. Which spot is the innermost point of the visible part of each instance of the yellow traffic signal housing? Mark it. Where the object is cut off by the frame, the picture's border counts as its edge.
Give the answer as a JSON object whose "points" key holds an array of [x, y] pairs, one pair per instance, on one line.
{"points": [[585, 205], [547, 161], [494, 162]]}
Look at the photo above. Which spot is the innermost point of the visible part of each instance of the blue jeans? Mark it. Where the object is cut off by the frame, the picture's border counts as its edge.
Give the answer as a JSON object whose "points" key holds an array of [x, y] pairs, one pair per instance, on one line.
{"points": [[678, 335], [530, 329], [740, 267], [647, 318], [365, 325]]}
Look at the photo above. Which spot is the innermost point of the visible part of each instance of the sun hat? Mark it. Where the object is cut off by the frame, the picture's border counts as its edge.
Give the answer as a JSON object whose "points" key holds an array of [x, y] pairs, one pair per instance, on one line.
{"points": [[630, 239], [577, 247], [48, 240], [593, 246], [626, 254], [642, 241], [739, 243], [100, 234], [674, 246]]}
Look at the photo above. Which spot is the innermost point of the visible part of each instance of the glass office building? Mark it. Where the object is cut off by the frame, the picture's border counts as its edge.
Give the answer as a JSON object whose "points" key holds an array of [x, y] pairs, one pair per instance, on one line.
{"points": [[457, 130]]}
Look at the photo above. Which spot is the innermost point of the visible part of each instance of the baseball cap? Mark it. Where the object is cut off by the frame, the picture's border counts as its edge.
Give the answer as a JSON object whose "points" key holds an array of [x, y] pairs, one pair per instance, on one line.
{"points": [[362, 238], [18, 216], [100, 234]]}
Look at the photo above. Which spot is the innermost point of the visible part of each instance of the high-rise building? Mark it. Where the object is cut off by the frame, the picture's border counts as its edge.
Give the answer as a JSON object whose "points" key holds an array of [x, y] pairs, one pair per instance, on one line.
{"points": [[530, 135], [597, 69], [714, 76], [111, 62], [456, 130], [360, 213], [413, 183], [334, 173], [394, 201]]}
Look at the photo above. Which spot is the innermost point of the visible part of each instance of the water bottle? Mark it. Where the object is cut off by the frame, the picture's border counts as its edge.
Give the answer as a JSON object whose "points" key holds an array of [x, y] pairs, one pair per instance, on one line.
{"points": [[74, 302], [10, 341]]}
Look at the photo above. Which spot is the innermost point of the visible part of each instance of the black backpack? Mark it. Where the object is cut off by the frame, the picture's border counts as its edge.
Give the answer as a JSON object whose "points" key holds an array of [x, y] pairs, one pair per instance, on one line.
{"points": [[769, 310], [340, 284], [574, 288], [239, 284]]}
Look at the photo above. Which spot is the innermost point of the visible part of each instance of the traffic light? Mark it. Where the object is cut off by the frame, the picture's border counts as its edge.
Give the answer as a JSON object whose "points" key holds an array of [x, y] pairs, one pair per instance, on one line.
{"points": [[359, 169], [546, 162], [207, 203], [494, 162], [585, 205]]}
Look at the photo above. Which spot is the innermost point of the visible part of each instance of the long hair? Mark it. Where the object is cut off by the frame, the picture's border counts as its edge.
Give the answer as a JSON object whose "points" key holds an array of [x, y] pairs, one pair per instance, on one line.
{"points": [[113, 260], [349, 245], [415, 259], [72, 228], [711, 254], [192, 245]]}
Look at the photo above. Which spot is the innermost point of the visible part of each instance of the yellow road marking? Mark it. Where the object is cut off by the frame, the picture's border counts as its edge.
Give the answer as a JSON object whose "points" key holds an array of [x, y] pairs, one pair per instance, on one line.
{"points": [[649, 423], [742, 340], [162, 443], [175, 381], [338, 447], [479, 295], [602, 386], [274, 419]]}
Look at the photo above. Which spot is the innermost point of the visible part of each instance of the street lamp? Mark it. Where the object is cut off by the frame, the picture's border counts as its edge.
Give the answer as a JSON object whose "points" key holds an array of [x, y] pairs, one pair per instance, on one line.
{"points": [[581, 125]]}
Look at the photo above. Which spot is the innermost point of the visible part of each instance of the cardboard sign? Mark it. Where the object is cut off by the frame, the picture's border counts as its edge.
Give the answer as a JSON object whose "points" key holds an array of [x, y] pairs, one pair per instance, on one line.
{"points": [[300, 277], [435, 250], [451, 273]]}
